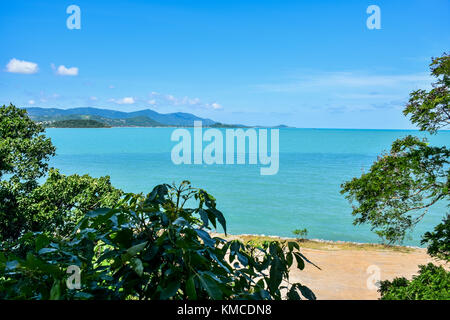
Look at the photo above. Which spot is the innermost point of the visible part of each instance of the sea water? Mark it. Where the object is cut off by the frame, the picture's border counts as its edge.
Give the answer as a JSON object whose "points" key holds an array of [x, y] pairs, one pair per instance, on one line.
{"points": [[303, 194]]}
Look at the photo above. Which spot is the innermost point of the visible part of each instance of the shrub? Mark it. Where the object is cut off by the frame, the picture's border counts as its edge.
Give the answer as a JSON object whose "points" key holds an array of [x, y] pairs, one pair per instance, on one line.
{"points": [[439, 240], [151, 247], [432, 283], [301, 233]]}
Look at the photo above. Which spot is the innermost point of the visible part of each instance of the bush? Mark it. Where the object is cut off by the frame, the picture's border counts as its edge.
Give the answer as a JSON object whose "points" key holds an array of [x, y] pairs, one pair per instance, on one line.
{"points": [[439, 240], [151, 247], [432, 283], [301, 233]]}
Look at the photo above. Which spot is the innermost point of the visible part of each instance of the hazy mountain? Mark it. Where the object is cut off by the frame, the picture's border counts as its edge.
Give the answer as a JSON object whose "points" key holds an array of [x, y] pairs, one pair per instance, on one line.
{"points": [[143, 116]]}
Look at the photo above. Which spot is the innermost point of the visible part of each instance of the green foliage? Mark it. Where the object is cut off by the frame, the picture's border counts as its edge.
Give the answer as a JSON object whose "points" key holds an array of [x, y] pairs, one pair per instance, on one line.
{"points": [[151, 247], [24, 150], [403, 183], [395, 194], [57, 205], [430, 110], [301, 233], [432, 283], [77, 123], [439, 240]]}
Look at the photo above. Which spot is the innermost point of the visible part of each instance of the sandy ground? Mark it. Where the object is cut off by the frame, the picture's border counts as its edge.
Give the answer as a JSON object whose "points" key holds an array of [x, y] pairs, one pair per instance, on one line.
{"points": [[349, 271], [346, 273]]}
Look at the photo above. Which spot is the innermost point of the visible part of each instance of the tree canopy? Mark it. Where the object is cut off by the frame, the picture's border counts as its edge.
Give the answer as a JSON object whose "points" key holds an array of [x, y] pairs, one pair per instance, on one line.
{"points": [[24, 150], [25, 205], [403, 183]]}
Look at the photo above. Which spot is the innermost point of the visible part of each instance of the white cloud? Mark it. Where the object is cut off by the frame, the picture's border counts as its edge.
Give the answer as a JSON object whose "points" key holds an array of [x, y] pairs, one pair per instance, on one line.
{"points": [[63, 71], [93, 98], [180, 103], [126, 100], [21, 66], [168, 102], [216, 106], [172, 98], [31, 102]]}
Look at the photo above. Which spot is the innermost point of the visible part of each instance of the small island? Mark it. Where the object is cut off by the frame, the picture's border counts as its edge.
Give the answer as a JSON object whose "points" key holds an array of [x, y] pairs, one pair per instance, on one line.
{"points": [[77, 123]]}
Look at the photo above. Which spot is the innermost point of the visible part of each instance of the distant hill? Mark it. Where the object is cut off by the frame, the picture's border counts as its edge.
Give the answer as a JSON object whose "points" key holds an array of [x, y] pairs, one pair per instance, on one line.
{"points": [[139, 118], [222, 125], [53, 117], [76, 123]]}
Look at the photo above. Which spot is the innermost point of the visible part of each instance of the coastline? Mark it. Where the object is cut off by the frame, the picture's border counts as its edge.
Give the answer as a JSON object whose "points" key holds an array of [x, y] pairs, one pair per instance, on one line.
{"points": [[321, 244]]}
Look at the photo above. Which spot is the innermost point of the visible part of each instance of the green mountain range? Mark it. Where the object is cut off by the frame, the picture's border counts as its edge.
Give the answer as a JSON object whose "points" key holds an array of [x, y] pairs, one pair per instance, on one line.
{"points": [[112, 118], [103, 118]]}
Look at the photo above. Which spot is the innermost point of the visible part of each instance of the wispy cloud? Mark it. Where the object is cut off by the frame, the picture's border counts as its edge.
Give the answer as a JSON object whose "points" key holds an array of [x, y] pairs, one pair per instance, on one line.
{"points": [[185, 103], [330, 80], [20, 66], [348, 91], [125, 100]]}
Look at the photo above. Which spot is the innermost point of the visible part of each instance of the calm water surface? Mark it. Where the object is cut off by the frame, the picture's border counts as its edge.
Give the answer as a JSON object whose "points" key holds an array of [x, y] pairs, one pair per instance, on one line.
{"points": [[304, 193]]}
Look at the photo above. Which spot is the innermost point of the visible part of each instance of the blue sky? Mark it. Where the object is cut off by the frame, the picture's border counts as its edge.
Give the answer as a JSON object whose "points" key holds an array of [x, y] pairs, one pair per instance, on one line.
{"points": [[300, 63]]}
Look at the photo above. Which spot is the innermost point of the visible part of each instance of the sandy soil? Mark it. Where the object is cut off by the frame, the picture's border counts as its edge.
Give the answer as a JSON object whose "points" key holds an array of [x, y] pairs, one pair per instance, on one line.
{"points": [[349, 271], [345, 273]]}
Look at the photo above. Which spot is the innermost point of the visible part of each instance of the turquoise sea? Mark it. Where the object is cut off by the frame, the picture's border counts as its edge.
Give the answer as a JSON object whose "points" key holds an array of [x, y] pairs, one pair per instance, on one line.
{"points": [[304, 193]]}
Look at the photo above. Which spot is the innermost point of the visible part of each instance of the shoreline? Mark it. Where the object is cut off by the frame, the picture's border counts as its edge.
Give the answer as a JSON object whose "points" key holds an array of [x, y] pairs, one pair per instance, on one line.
{"points": [[322, 244]]}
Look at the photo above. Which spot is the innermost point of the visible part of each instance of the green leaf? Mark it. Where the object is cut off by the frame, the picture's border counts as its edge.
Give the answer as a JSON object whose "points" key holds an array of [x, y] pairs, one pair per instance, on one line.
{"points": [[205, 237], [220, 218], [242, 259], [170, 290], [307, 293], [293, 294], [46, 250], [300, 262], [55, 291], [211, 287], [190, 288], [276, 274], [292, 245], [289, 259], [137, 266], [136, 248], [306, 259], [41, 242], [204, 216]]}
